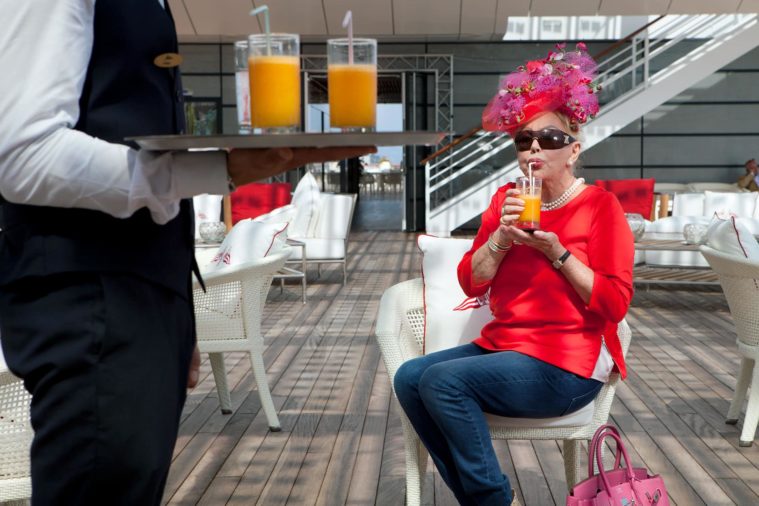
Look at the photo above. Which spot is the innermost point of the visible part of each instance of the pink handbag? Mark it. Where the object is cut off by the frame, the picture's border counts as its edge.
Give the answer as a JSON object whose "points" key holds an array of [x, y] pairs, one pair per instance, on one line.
{"points": [[622, 486]]}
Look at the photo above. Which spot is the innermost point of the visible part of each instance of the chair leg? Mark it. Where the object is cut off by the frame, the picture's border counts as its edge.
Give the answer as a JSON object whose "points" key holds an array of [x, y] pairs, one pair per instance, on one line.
{"points": [[572, 464], [416, 463], [744, 376], [220, 377], [752, 414], [345, 272], [259, 372]]}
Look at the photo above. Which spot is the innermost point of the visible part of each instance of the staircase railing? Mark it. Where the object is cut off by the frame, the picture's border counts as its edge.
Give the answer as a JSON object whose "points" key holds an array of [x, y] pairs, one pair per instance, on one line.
{"points": [[480, 157]]}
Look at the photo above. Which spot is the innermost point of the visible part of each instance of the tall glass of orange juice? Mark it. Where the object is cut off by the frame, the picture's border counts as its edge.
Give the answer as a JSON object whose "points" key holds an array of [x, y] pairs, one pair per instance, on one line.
{"points": [[352, 83], [274, 73], [529, 191]]}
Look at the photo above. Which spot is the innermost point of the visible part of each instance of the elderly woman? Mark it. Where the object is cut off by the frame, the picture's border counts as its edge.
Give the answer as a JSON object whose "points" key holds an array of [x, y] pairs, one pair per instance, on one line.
{"points": [[556, 294]]}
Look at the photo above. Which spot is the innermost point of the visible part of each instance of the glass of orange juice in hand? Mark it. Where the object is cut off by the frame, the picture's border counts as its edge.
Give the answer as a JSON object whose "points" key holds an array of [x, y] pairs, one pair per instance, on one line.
{"points": [[352, 83], [529, 192], [274, 73]]}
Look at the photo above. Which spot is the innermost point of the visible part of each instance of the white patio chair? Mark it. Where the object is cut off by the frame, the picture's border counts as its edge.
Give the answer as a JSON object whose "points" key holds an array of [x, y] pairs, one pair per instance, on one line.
{"points": [[228, 318], [739, 278], [329, 241], [15, 440], [400, 329]]}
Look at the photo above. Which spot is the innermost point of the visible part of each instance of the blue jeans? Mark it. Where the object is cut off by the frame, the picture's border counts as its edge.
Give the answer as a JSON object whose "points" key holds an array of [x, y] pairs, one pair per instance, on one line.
{"points": [[444, 395]]}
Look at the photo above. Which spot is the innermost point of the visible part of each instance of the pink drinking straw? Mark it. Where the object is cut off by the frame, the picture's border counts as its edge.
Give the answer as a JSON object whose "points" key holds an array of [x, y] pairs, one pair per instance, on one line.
{"points": [[348, 23]]}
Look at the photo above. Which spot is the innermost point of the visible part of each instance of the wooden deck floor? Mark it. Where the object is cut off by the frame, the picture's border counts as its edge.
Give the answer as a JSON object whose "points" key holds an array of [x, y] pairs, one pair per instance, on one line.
{"points": [[341, 441]]}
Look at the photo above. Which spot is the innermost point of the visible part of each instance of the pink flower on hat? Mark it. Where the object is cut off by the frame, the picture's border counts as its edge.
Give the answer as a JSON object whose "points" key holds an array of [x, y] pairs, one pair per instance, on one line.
{"points": [[562, 82]]}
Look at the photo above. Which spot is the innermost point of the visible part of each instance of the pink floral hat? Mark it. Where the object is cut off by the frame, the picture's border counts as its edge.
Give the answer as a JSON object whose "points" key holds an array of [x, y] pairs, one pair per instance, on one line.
{"points": [[562, 82]]}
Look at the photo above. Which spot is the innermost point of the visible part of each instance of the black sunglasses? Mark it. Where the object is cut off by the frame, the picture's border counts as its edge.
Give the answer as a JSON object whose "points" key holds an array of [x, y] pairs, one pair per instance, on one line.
{"points": [[548, 138]]}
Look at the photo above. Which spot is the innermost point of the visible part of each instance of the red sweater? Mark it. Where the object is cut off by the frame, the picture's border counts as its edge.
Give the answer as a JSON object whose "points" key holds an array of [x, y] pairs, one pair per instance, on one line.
{"points": [[536, 310]]}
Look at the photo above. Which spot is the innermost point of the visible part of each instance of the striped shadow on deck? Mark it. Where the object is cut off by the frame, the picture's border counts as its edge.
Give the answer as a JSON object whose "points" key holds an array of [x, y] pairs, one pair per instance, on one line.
{"points": [[341, 440]]}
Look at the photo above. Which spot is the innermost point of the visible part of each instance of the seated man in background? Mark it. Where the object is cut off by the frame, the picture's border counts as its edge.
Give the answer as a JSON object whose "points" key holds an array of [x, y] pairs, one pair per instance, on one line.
{"points": [[750, 181]]}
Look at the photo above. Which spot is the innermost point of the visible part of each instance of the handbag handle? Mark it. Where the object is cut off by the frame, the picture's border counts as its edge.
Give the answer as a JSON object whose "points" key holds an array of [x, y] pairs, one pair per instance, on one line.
{"points": [[620, 449], [594, 444]]}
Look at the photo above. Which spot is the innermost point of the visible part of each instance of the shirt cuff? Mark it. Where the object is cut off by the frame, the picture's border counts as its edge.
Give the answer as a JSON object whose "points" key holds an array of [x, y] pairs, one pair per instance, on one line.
{"points": [[196, 173]]}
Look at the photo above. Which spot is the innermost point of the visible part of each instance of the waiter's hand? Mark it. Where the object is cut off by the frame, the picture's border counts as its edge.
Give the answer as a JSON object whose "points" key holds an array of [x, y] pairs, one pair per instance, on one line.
{"points": [[194, 372], [248, 165]]}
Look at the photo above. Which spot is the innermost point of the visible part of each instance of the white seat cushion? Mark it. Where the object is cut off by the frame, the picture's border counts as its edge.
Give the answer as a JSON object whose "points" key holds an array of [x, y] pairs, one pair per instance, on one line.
{"points": [[676, 224], [318, 248], [445, 326], [582, 416], [669, 258]]}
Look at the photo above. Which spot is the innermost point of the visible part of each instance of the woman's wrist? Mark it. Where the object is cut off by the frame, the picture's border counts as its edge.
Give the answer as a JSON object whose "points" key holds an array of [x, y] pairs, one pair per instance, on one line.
{"points": [[555, 252], [497, 246]]}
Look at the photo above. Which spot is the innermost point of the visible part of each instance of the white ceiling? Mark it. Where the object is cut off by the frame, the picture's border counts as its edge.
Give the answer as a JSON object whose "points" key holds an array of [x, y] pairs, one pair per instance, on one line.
{"points": [[225, 20]]}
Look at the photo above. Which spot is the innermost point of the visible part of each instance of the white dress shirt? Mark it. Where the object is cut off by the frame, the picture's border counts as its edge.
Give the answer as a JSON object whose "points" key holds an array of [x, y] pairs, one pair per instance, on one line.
{"points": [[45, 47]]}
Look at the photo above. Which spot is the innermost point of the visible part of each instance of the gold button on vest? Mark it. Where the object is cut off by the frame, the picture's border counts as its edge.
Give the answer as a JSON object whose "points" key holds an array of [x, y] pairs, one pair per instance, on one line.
{"points": [[168, 60]]}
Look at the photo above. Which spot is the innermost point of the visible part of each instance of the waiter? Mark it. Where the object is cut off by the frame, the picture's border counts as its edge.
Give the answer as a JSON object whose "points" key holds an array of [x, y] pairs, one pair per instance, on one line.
{"points": [[96, 249]]}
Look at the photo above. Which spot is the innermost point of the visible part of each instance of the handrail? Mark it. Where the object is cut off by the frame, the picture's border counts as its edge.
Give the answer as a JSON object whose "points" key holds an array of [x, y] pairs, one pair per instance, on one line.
{"points": [[451, 145], [625, 39], [471, 132]]}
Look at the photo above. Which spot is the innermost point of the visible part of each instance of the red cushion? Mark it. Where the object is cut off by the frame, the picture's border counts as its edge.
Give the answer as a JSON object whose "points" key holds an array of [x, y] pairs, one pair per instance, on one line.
{"points": [[635, 195], [255, 199]]}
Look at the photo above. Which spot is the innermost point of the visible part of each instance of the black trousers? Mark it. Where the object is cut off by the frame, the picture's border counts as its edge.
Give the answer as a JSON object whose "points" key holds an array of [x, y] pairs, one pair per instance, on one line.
{"points": [[105, 357]]}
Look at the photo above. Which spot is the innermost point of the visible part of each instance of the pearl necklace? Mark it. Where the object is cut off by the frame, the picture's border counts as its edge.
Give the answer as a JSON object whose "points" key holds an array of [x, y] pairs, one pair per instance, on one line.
{"points": [[563, 198]]}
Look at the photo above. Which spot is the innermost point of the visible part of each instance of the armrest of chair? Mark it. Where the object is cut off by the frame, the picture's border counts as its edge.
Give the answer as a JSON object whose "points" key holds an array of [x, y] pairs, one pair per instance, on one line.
{"points": [[394, 331], [266, 265]]}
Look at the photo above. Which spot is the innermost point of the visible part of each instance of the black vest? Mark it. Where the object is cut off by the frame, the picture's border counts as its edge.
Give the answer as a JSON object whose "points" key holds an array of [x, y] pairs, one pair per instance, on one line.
{"points": [[125, 94]]}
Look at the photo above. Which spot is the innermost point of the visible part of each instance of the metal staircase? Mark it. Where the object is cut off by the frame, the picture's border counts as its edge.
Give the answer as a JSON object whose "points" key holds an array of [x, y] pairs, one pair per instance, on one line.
{"points": [[686, 49]]}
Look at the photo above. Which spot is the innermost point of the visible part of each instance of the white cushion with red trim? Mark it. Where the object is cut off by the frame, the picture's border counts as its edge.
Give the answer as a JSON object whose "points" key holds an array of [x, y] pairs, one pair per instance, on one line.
{"points": [[445, 326], [248, 241], [733, 237], [284, 214], [307, 200]]}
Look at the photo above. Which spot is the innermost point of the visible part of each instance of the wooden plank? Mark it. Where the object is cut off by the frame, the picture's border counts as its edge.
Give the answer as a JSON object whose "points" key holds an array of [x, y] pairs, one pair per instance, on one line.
{"points": [[391, 489], [194, 485], [363, 485], [219, 491], [738, 491], [552, 463], [342, 441], [532, 483]]}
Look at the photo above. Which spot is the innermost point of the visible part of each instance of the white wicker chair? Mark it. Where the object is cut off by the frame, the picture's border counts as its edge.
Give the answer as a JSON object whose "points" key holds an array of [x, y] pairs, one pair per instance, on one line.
{"points": [[740, 282], [400, 328], [228, 318], [15, 440]]}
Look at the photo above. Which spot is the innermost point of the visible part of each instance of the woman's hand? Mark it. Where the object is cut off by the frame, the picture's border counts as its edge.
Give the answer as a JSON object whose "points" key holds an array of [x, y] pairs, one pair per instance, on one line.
{"points": [[545, 242], [510, 210]]}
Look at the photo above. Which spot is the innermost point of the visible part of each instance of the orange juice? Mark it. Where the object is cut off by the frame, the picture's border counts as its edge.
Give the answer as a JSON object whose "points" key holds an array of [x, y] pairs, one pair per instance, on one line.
{"points": [[274, 91], [530, 217], [352, 95]]}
